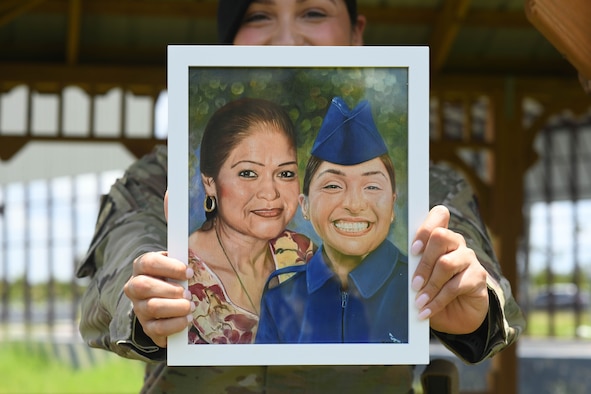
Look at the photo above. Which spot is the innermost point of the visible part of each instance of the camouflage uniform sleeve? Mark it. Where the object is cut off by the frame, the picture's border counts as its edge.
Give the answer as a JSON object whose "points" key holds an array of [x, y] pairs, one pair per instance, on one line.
{"points": [[131, 222], [504, 322]]}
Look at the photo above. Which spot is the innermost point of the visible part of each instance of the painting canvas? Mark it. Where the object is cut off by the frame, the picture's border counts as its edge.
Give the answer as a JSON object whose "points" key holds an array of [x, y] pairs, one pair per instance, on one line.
{"points": [[328, 96]]}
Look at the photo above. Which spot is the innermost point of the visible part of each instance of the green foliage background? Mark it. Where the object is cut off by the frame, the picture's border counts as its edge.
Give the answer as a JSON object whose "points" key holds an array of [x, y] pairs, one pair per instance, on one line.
{"points": [[306, 94]]}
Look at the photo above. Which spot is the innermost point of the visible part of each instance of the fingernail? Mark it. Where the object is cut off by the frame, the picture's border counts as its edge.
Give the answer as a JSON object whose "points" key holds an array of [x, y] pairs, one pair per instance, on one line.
{"points": [[425, 314], [187, 295], [193, 307], [421, 300], [417, 283], [189, 274], [416, 247], [189, 319]]}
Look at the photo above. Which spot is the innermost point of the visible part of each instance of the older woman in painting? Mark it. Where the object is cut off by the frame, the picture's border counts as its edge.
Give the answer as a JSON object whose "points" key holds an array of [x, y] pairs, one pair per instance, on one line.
{"points": [[354, 288], [250, 176]]}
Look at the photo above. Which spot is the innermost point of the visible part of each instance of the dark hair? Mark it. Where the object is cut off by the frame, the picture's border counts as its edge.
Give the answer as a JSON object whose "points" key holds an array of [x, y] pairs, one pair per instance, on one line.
{"points": [[231, 12], [314, 162], [230, 124], [352, 9]]}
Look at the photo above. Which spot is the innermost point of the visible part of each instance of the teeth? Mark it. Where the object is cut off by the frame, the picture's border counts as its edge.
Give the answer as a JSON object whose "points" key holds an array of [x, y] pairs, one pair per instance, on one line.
{"points": [[352, 227]]}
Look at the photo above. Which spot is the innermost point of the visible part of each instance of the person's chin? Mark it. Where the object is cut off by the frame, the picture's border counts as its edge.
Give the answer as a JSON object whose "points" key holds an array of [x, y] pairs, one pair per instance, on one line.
{"points": [[270, 232], [348, 245]]}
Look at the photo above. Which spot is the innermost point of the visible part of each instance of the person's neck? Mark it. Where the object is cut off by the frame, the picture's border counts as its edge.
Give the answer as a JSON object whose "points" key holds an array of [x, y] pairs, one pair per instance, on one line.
{"points": [[341, 264], [246, 253]]}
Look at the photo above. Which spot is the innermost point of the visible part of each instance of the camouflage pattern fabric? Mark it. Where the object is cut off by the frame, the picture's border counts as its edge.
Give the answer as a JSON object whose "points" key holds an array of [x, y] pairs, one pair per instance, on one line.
{"points": [[131, 222], [505, 321]]}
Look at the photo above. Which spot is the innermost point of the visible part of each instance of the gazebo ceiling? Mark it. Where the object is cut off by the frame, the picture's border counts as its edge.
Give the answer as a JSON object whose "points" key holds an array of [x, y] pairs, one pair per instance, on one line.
{"points": [[48, 43]]}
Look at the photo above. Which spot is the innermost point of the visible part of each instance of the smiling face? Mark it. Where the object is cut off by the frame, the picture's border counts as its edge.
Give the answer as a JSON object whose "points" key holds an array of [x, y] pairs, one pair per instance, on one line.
{"points": [[299, 22], [257, 185], [350, 207]]}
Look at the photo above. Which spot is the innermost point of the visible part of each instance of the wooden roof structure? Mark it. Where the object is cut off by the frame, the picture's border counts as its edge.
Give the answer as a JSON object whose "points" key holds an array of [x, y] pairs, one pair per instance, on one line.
{"points": [[72, 39], [487, 62]]}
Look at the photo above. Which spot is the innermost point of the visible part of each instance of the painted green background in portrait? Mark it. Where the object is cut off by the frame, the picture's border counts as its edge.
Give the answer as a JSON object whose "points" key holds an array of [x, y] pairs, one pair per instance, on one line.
{"points": [[306, 94]]}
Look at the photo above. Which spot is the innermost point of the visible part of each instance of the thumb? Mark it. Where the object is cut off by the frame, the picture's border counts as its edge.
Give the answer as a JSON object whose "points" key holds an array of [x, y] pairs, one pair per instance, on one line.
{"points": [[438, 217], [166, 205]]}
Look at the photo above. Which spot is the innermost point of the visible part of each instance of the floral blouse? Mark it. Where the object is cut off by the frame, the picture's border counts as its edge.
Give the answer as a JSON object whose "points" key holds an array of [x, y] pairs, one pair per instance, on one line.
{"points": [[216, 319]]}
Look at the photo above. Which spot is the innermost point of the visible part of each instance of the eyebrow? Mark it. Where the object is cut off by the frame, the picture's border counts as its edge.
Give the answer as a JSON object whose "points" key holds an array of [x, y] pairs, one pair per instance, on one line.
{"points": [[274, 1], [332, 171], [370, 173], [342, 173], [287, 163]]}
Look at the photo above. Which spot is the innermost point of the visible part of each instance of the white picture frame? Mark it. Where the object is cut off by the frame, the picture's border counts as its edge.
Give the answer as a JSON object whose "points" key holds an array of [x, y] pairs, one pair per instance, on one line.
{"points": [[409, 66]]}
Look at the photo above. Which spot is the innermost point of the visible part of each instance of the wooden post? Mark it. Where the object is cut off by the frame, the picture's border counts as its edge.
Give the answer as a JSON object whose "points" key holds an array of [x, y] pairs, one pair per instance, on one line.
{"points": [[507, 219]]}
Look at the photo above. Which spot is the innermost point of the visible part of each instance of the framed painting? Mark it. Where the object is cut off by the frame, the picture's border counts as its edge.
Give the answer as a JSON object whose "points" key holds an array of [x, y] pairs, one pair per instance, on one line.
{"points": [[297, 179]]}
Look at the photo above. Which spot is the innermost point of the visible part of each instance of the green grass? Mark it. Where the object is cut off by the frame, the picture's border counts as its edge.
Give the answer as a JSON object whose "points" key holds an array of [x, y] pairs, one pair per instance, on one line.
{"points": [[45, 368], [539, 323], [32, 369]]}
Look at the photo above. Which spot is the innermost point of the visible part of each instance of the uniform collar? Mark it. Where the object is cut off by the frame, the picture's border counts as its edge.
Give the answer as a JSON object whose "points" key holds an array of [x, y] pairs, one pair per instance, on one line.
{"points": [[373, 272], [317, 271]]}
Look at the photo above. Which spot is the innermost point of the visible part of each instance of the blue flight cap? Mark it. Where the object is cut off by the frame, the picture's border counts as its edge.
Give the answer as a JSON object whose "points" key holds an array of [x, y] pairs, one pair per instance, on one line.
{"points": [[348, 137]]}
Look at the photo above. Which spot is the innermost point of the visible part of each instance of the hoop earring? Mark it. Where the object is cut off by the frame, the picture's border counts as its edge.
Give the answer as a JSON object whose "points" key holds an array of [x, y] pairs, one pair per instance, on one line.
{"points": [[209, 204]]}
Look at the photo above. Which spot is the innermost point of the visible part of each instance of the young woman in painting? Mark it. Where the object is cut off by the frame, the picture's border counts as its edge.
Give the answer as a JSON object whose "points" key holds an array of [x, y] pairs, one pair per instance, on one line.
{"points": [[354, 289]]}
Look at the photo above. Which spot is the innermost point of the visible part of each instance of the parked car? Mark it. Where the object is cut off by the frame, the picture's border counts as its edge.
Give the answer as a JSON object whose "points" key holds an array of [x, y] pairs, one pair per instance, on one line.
{"points": [[562, 297]]}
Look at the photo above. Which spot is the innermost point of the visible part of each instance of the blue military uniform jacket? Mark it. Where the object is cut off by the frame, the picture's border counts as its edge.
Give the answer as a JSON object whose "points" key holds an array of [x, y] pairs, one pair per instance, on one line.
{"points": [[311, 307]]}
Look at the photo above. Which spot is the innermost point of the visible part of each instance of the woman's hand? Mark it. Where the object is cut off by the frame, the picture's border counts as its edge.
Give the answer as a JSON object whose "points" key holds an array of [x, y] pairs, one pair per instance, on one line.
{"points": [[449, 280], [161, 306]]}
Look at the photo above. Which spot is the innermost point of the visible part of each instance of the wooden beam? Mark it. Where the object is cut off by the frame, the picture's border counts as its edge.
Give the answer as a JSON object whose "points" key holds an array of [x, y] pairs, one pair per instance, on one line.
{"points": [[496, 19], [8, 4], [73, 35], [9, 14], [10, 145], [511, 65], [133, 78], [389, 15], [167, 9], [155, 54], [487, 84], [567, 28], [483, 18], [445, 31], [12, 74]]}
